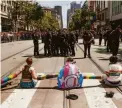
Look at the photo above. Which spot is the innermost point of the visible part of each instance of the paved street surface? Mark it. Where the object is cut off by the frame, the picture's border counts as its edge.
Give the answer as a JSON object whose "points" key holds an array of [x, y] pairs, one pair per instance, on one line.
{"points": [[17, 60], [45, 95], [8, 49]]}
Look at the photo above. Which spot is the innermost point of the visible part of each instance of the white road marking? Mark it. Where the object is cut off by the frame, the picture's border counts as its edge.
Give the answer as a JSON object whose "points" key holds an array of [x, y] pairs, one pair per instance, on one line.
{"points": [[95, 95], [20, 98]]}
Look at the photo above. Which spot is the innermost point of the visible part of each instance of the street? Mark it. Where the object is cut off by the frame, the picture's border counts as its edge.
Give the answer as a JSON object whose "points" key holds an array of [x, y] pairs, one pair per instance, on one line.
{"points": [[45, 94]]}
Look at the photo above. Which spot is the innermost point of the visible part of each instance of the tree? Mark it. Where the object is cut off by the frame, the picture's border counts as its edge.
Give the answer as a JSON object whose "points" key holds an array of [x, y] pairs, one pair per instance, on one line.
{"points": [[48, 22], [26, 11], [79, 19]]}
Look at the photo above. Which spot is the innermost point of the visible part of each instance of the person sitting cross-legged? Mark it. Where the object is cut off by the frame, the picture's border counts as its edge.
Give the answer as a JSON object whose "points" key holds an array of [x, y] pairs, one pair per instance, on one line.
{"points": [[113, 76], [69, 76], [28, 75]]}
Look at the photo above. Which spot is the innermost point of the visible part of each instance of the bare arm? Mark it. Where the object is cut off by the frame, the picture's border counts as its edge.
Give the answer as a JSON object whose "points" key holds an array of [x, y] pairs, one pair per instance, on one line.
{"points": [[33, 73]]}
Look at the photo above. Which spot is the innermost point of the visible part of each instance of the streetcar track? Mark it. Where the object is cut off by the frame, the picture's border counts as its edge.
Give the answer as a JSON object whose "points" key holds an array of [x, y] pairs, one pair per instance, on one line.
{"points": [[17, 53], [66, 102], [47, 92], [99, 67], [13, 69]]}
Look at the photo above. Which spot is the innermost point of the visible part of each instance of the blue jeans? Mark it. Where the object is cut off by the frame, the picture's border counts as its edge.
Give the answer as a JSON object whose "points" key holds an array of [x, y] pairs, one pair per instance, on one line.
{"points": [[31, 84]]}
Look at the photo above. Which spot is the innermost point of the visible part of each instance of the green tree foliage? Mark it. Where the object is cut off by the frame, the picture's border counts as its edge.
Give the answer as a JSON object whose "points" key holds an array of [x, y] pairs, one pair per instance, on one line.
{"points": [[48, 22], [28, 12], [79, 19]]}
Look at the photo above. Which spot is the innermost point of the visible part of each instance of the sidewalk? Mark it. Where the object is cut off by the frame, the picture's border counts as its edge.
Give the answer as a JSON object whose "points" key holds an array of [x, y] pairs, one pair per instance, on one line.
{"points": [[100, 55]]}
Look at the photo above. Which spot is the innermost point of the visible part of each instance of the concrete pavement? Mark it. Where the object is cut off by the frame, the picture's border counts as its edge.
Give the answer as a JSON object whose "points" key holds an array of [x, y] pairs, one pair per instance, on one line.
{"points": [[8, 49], [100, 55], [45, 96]]}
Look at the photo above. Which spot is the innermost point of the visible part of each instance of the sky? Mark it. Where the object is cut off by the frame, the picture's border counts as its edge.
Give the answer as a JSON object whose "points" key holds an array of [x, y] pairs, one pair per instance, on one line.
{"points": [[64, 3]]}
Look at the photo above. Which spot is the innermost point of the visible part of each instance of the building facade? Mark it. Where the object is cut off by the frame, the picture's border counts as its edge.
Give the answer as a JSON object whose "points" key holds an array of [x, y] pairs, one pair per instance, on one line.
{"points": [[107, 12], [70, 12], [4, 15], [115, 12], [59, 12]]}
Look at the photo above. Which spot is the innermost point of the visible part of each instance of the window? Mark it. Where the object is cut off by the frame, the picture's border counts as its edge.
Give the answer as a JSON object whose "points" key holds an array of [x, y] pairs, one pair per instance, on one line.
{"points": [[104, 4], [1, 7], [4, 8]]}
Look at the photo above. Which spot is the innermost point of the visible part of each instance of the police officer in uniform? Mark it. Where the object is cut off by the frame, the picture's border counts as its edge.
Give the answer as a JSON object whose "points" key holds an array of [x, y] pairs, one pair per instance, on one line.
{"points": [[47, 44], [100, 37], [114, 40], [36, 44], [72, 41], [87, 40]]}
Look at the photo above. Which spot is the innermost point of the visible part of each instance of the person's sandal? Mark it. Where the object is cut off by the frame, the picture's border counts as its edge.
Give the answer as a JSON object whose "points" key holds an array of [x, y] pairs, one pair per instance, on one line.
{"points": [[72, 96]]}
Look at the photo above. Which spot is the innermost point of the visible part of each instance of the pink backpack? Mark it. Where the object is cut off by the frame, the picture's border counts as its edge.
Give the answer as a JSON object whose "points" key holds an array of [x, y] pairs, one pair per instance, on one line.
{"points": [[70, 76]]}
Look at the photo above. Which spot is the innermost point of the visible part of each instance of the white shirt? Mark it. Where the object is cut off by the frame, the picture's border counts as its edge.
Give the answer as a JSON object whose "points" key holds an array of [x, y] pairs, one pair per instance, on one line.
{"points": [[114, 73]]}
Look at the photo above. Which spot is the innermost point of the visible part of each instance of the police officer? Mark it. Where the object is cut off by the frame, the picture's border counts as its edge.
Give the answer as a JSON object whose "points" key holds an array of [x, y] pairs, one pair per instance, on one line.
{"points": [[114, 40], [47, 44], [36, 44], [106, 35], [87, 40], [100, 37], [72, 41], [77, 35]]}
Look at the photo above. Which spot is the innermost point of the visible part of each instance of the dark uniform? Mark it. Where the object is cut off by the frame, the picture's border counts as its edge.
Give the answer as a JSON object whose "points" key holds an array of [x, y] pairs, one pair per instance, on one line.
{"points": [[47, 44], [36, 44], [107, 38], [100, 37], [72, 41], [114, 41], [77, 35], [87, 40]]}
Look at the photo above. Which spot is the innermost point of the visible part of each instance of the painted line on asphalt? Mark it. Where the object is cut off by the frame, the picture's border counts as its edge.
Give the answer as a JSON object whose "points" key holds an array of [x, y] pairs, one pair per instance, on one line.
{"points": [[20, 98], [96, 95]]}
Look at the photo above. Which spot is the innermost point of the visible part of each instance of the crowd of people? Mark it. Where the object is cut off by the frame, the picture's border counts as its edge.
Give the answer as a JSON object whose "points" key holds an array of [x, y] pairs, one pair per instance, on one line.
{"points": [[16, 36], [57, 43]]}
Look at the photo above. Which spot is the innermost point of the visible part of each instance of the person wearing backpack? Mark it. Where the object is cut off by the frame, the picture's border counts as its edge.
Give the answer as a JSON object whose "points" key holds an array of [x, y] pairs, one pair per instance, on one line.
{"points": [[69, 76]]}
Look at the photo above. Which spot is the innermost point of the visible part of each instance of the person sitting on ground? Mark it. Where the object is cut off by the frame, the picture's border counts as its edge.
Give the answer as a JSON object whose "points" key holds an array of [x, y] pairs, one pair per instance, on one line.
{"points": [[113, 76], [69, 75], [28, 74]]}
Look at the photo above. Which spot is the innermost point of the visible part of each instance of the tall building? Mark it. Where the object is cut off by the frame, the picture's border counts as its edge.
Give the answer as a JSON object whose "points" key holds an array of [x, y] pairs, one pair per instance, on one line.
{"points": [[101, 10], [115, 12], [54, 14], [59, 12], [74, 6], [70, 12]]}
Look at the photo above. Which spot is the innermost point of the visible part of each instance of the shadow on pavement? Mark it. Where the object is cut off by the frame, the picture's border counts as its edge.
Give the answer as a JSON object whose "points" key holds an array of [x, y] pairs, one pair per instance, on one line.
{"points": [[28, 56], [101, 50], [104, 59], [56, 87], [79, 58], [42, 56], [104, 51], [80, 43]]}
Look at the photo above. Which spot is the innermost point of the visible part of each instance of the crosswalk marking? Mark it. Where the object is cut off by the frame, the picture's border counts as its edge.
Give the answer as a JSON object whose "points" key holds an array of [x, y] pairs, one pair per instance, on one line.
{"points": [[20, 98], [95, 95]]}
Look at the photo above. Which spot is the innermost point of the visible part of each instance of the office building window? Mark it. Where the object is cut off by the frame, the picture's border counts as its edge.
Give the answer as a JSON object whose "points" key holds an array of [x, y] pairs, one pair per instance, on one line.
{"points": [[121, 7], [104, 4], [4, 8], [1, 7]]}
